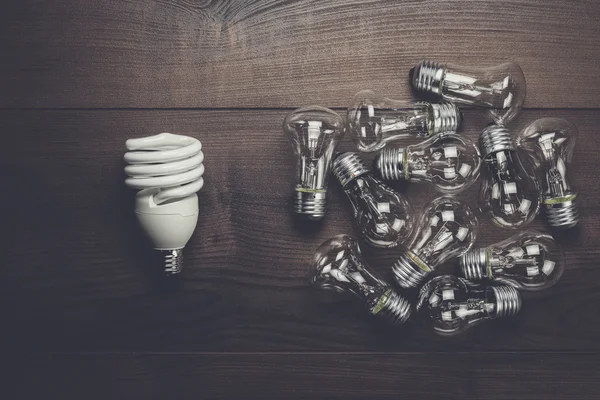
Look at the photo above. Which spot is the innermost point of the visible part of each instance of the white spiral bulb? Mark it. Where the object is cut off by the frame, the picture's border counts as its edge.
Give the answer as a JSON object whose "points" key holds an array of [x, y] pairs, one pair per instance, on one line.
{"points": [[172, 163], [168, 169]]}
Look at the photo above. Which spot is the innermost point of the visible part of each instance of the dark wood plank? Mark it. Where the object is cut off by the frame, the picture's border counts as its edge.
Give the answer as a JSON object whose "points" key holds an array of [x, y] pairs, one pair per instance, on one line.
{"points": [[238, 53], [76, 268], [483, 376]]}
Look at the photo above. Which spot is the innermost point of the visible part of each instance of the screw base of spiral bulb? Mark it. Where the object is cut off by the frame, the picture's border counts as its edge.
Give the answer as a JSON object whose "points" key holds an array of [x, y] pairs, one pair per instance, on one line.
{"points": [[172, 261], [347, 167], [508, 301], [428, 76], [407, 273], [310, 205], [445, 117], [395, 308], [389, 163], [495, 138], [562, 215], [473, 264]]}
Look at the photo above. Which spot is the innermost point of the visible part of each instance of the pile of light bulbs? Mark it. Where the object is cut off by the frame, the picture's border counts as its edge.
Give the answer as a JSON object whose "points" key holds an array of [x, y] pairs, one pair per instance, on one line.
{"points": [[511, 195]]}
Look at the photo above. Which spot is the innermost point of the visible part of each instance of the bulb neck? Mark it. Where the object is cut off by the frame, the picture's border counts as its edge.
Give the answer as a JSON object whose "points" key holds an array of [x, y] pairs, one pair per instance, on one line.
{"points": [[444, 117], [495, 138], [410, 271], [393, 307], [508, 301], [390, 163], [347, 167], [428, 76], [172, 261], [473, 264], [310, 204], [561, 214]]}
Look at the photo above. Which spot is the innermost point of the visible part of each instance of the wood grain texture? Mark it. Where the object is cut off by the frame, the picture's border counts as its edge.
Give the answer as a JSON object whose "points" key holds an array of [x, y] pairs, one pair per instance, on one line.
{"points": [[259, 54], [76, 273], [83, 315], [482, 376]]}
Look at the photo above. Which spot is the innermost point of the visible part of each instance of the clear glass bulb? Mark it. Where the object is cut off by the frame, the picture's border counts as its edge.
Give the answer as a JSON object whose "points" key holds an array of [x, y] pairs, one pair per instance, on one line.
{"points": [[450, 162], [550, 143], [500, 90], [529, 260], [338, 265], [374, 121], [383, 216], [446, 229], [456, 304], [314, 133], [509, 192]]}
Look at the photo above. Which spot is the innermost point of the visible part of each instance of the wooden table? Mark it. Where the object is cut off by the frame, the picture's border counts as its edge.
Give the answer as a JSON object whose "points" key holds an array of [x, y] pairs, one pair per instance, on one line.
{"points": [[82, 316]]}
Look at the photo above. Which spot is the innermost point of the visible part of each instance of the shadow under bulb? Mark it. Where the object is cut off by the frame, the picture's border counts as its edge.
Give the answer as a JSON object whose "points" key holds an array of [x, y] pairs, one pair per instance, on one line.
{"points": [[450, 162], [314, 132], [509, 192], [499, 90], [374, 121], [447, 229], [550, 143], [383, 216], [455, 304], [529, 260], [337, 265]]}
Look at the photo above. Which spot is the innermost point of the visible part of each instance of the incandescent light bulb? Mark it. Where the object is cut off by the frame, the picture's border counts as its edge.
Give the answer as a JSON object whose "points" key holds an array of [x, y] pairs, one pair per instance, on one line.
{"points": [[550, 143], [338, 265], [529, 260], [455, 304], [500, 90], [314, 133], [383, 216], [374, 121], [450, 162], [447, 229]]}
